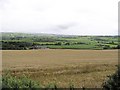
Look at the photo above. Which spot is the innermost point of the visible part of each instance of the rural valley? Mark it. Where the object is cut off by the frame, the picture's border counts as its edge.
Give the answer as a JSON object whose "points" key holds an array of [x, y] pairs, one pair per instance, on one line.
{"points": [[60, 60]]}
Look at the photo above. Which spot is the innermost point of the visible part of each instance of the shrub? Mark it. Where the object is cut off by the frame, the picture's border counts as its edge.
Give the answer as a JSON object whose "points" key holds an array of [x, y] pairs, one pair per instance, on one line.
{"points": [[106, 47], [10, 81], [113, 83]]}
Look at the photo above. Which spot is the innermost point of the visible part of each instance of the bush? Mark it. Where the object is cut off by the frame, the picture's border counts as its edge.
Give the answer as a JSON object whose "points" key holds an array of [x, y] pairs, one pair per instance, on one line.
{"points": [[106, 47], [10, 81], [113, 83]]}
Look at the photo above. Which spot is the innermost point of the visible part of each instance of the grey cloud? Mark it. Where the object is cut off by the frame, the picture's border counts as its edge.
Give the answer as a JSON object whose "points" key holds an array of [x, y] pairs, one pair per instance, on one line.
{"points": [[59, 29], [66, 26]]}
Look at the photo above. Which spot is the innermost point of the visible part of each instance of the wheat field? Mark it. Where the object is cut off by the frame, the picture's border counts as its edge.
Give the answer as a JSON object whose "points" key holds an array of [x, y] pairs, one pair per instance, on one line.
{"points": [[88, 68]]}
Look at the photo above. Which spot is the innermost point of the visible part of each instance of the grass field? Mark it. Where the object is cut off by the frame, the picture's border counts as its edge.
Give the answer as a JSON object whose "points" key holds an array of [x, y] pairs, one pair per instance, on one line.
{"points": [[25, 41], [87, 68]]}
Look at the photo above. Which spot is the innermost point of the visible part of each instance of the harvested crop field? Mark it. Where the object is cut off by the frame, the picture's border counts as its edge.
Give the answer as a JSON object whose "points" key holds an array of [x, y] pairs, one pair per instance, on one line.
{"points": [[87, 68]]}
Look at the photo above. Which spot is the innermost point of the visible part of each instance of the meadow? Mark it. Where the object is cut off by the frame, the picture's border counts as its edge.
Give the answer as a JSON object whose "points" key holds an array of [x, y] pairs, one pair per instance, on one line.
{"points": [[62, 67]]}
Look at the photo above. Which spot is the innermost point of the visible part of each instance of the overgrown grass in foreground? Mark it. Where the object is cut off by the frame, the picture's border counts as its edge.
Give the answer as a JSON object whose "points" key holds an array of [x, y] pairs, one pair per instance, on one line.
{"points": [[10, 81], [90, 76]]}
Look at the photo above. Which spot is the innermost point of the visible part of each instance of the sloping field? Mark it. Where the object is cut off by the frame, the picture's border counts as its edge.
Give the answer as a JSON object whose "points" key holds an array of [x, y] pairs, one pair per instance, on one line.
{"points": [[37, 58], [87, 68]]}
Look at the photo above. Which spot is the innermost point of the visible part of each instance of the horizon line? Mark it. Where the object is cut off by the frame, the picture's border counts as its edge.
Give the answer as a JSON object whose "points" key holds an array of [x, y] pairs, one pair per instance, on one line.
{"points": [[60, 34]]}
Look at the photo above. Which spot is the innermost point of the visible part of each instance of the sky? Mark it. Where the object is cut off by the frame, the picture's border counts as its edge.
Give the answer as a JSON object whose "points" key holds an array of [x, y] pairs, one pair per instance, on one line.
{"points": [[70, 17]]}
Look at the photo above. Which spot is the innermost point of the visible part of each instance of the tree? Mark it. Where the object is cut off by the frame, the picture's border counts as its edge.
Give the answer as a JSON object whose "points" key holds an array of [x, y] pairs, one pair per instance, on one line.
{"points": [[67, 43], [106, 47], [118, 46], [58, 43]]}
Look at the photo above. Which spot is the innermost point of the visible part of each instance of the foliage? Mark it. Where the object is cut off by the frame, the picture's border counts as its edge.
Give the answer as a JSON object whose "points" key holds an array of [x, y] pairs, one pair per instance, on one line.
{"points": [[11, 81], [106, 47], [113, 83], [22, 41]]}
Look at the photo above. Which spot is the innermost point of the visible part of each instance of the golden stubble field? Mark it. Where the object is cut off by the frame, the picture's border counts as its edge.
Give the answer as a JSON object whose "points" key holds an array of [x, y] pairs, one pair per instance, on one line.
{"points": [[87, 68]]}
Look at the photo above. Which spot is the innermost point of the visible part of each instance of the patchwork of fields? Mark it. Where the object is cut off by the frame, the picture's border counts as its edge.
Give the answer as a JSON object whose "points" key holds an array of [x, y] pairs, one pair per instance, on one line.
{"points": [[62, 67], [22, 41]]}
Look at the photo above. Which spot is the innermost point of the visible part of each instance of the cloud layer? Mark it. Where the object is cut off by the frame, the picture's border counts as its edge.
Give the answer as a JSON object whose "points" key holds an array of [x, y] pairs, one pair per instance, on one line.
{"points": [[76, 17]]}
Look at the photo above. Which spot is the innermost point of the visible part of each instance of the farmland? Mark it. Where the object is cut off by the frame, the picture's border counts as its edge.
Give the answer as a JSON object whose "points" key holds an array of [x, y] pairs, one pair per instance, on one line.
{"points": [[61, 60], [63, 67], [25, 41]]}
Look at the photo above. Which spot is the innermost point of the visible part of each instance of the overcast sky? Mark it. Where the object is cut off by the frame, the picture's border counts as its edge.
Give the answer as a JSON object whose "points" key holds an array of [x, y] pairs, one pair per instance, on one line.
{"points": [[73, 17]]}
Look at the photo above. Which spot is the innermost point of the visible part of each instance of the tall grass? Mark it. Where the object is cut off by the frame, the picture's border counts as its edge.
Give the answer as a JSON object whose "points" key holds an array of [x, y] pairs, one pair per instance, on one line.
{"points": [[11, 81], [69, 76], [18, 82], [22, 82]]}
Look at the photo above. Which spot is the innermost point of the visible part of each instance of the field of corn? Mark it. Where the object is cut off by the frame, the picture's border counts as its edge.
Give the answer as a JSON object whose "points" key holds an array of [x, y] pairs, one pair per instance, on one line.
{"points": [[62, 68]]}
